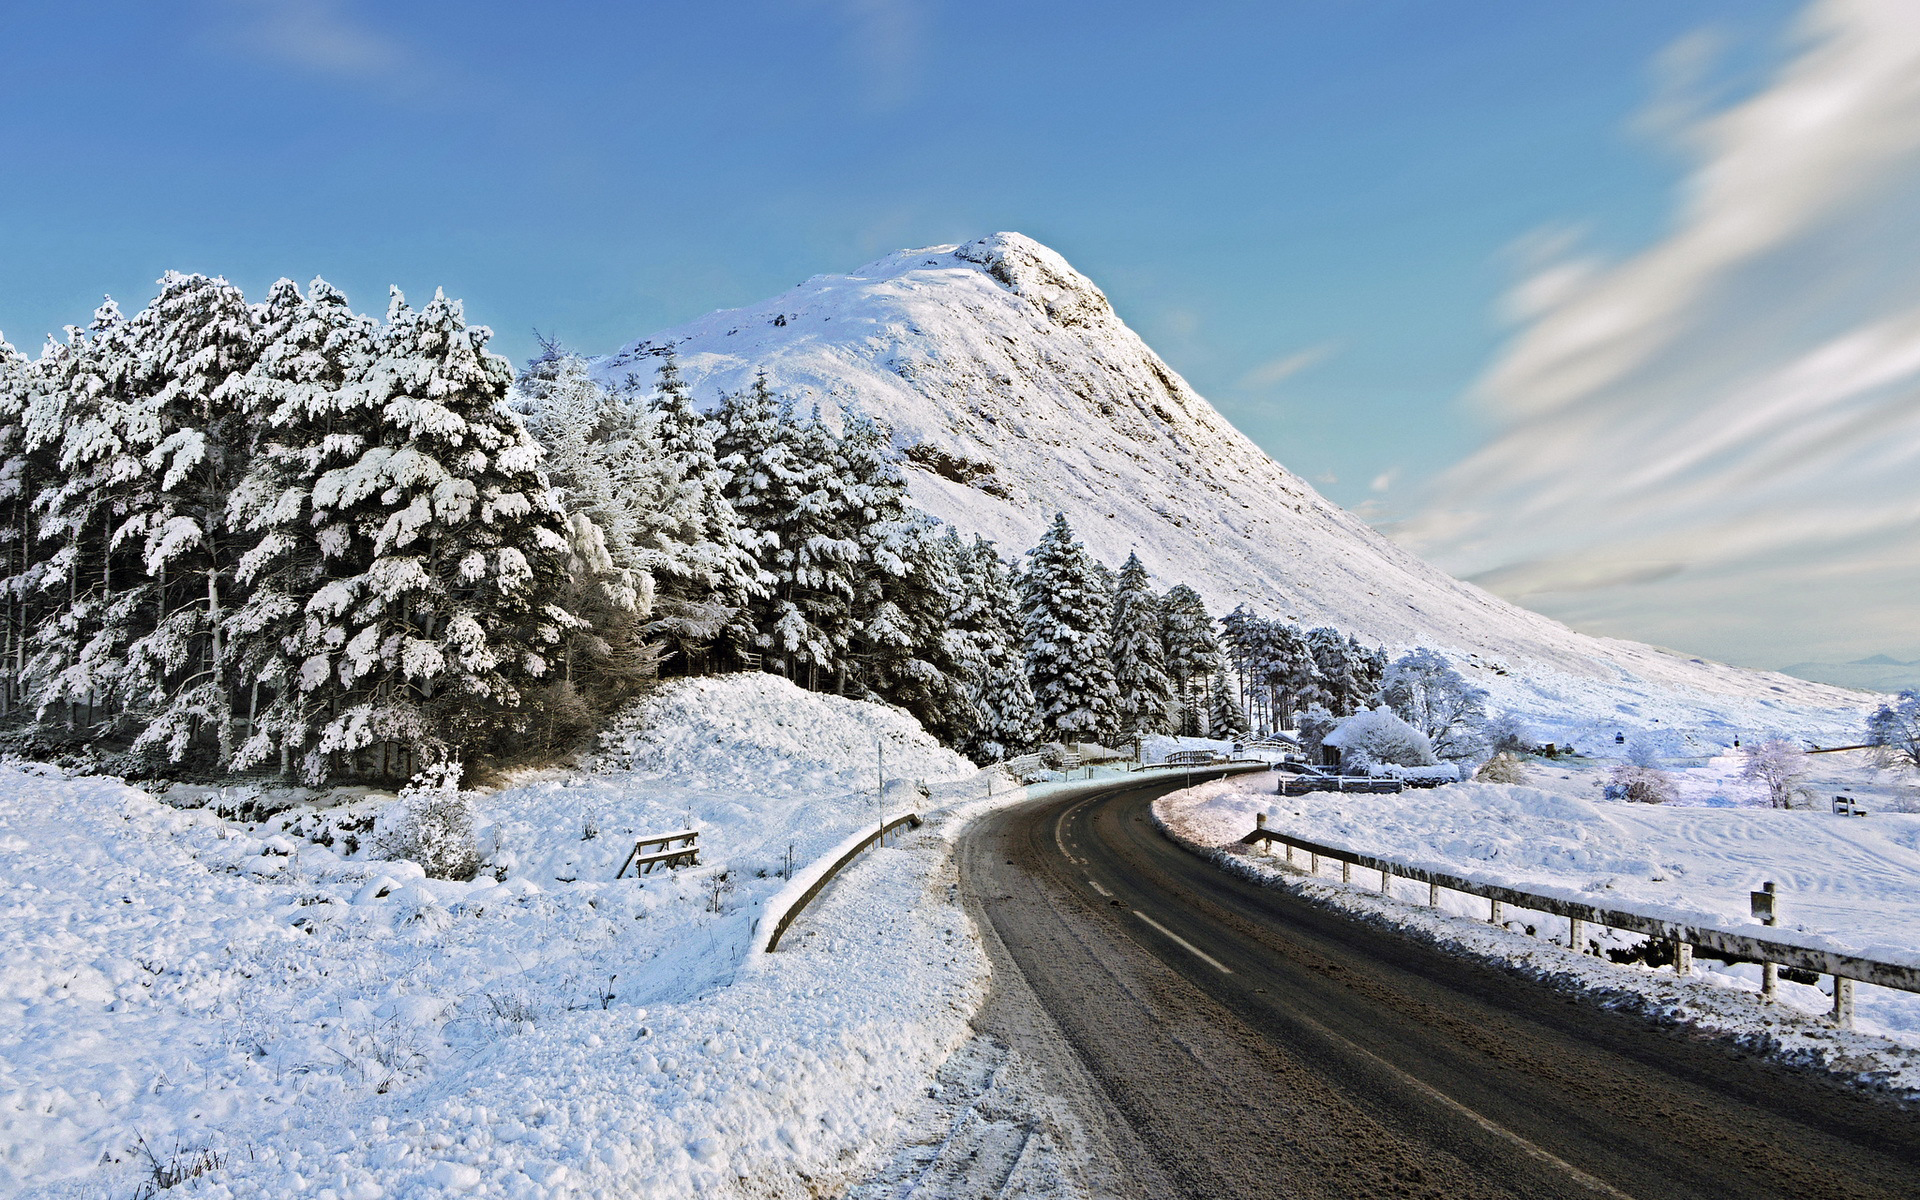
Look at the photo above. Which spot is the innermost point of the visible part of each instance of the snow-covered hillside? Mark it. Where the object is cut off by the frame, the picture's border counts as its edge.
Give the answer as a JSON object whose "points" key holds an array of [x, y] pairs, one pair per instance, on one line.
{"points": [[231, 995], [1016, 391]]}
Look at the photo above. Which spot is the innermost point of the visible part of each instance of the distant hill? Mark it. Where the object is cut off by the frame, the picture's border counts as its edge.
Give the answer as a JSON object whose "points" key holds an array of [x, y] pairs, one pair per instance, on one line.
{"points": [[1877, 673]]}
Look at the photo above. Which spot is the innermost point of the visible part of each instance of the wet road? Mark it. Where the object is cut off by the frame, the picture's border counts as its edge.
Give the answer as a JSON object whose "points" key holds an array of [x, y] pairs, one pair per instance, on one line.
{"points": [[1257, 1045]]}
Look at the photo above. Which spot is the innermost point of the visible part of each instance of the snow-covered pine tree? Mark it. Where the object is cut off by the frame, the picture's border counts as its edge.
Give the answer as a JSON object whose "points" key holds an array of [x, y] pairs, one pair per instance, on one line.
{"points": [[708, 573], [1067, 612], [1143, 695], [26, 464], [782, 482], [76, 651], [1225, 719], [987, 620], [606, 468], [1293, 676], [460, 548], [189, 359], [1343, 686], [1191, 653], [907, 587], [307, 397], [1238, 631]]}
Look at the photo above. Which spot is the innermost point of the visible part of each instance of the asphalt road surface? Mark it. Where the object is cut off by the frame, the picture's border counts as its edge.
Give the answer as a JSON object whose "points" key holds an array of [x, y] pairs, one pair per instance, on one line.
{"points": [[1253, 1044]]}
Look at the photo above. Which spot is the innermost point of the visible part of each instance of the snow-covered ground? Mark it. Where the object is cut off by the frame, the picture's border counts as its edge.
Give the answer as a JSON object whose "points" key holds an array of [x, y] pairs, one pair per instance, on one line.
{"points": [[1851, 883], [191, 986]]}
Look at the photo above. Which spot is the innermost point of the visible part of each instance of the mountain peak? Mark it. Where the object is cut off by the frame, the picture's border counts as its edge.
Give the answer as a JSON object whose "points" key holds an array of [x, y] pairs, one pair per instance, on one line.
{"points": [[1016, 393]]}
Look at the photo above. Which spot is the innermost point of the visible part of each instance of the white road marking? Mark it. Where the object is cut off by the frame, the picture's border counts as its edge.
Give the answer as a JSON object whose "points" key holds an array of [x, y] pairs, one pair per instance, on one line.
{"points": [[1186, 945], [1096, 887]]}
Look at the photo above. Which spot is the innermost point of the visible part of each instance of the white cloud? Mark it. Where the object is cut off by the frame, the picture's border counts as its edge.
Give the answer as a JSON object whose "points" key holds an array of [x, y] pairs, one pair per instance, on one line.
{"points": [[1384, 479], [1274, 371], [1738, 405]]}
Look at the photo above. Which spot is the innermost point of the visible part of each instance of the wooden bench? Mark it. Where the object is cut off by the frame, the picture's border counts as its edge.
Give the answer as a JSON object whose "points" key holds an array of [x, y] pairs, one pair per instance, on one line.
{"points": [[672, 850], [1847, 806]]}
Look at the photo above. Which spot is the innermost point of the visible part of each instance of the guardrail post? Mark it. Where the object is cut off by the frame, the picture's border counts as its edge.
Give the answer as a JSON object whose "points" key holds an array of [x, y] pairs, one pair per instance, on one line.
{"points": [[1493, 912], [1346, 871], [1682, 957], [1842, 1002], [1289, 846], [1433, 895], [1576, 936], [1383, 880]]}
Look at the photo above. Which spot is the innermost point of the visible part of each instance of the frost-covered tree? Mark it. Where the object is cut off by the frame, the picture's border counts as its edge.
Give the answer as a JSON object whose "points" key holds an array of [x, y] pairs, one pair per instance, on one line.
{"points": [[1894, 731], [1344, 681], [1376, 737], [1067, 610], [1777, 765], [987, 618], [1433, 697], [1315, 722], [1143, 695], [1191, 653]]}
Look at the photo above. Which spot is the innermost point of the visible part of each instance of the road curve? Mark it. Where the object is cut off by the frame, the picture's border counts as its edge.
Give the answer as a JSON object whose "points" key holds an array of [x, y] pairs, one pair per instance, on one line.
{"points": [[1254, 1044]]}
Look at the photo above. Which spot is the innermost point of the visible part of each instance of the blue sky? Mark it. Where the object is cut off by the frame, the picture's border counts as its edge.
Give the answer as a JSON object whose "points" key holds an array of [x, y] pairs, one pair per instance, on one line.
{"points": [[1317, 211]]}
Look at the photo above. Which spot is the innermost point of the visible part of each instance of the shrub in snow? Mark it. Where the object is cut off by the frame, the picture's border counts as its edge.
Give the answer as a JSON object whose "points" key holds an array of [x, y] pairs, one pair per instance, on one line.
{"points": [[1379, 736], [1502, 768], [1315, 724], [1506, 735], [1894, 731], [1775, 765], [431, 824], [1642, 785]]}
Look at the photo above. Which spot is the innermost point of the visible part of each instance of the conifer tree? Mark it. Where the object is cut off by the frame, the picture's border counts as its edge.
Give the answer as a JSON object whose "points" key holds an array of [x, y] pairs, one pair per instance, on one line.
{"points": [[1191, 653], [708, 574], [1225, 720], [460, 553], [1067, 613], [988, 620], [1143, 696]]}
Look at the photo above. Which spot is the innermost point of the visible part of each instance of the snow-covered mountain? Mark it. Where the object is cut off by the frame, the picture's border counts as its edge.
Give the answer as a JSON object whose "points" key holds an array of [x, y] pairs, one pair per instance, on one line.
{"points": [[1016, 391]]}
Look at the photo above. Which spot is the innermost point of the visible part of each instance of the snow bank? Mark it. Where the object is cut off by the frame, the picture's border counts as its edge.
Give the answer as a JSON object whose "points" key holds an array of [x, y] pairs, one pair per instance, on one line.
{"points": [[1850, 884], [320, 1022]]}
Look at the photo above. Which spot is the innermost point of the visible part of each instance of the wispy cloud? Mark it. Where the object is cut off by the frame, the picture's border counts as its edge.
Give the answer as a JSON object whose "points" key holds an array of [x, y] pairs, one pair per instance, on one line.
{"points": [[1275, 371], [322, 37], [1740, 400], [886, 42]]}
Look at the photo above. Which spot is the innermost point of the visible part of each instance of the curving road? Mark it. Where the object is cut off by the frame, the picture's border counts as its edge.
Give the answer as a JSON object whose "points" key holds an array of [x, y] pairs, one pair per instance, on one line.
{"points": [[1243, 1042]]}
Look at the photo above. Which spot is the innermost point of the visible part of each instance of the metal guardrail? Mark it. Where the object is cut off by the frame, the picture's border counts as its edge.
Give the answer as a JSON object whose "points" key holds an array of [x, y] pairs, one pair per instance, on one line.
{"points": [[1770, 952], [911, 820]]}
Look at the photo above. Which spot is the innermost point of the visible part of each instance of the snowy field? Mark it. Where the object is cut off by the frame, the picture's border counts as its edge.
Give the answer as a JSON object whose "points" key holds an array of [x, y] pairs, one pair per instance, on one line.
{"points": [[186, 988], [1853, 883]]}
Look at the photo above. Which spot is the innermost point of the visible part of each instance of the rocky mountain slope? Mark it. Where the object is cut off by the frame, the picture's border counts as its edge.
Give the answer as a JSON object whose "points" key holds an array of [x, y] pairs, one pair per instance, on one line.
{"points": [[1016, 391]]}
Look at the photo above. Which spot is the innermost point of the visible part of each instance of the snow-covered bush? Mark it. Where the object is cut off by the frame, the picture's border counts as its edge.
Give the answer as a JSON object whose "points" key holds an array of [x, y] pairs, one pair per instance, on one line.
{"points": [[1502, 768], [1505, 734], [1315, 724], [1641, 785], [1379, 736], [431, 824], [1775, 765]]}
